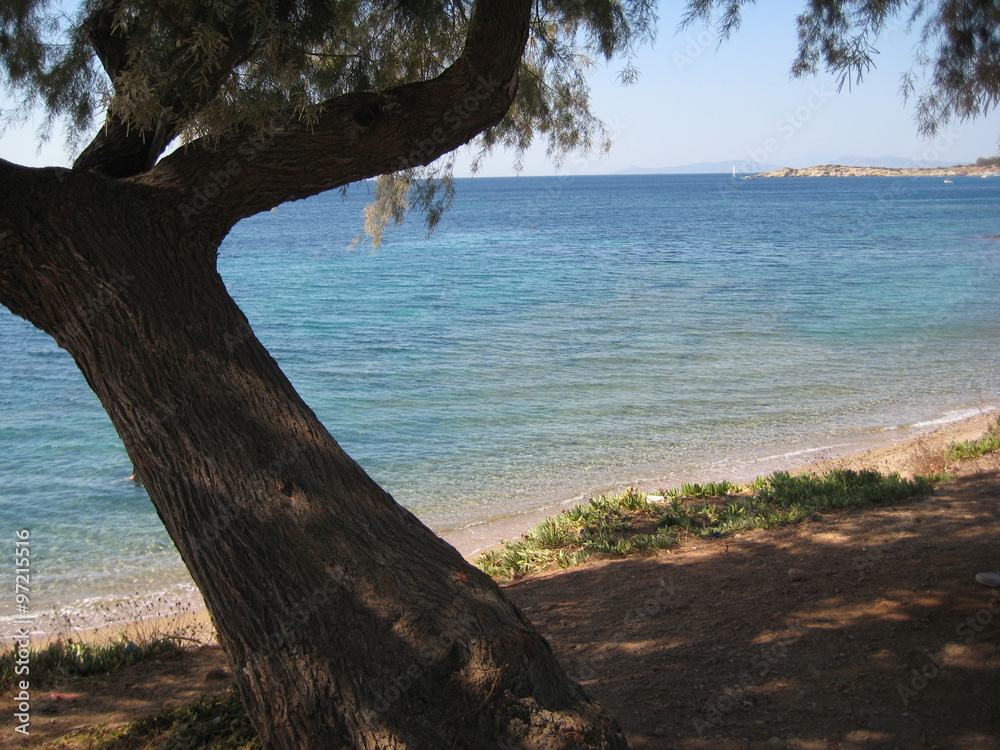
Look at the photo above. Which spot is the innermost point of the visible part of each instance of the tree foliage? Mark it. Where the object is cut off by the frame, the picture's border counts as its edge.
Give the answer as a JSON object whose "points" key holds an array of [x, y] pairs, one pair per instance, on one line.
{"points": [[187, 69], [163, 70]]}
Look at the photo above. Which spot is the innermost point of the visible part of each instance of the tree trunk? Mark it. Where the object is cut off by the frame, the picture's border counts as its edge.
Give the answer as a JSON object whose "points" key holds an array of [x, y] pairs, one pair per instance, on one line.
{"points": [[347, 622]]}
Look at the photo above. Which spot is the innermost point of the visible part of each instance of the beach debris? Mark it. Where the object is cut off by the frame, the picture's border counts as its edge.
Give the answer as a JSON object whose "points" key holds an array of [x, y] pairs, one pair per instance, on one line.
{"points": [[988, 579]]}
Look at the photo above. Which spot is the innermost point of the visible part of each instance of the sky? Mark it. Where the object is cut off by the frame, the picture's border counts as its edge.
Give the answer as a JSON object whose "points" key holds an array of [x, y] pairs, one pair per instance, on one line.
{"points": [[699, 102]]}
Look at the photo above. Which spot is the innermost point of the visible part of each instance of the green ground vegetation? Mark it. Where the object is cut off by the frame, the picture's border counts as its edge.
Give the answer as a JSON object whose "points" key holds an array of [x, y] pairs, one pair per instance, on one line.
{"points": [[636, 522], [988, 443], [71, 658], [140, 630], [619, 525]]}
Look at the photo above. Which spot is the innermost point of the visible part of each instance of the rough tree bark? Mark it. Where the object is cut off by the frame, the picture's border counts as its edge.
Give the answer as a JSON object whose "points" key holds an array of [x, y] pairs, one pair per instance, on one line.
{"points": [[347, 622]]}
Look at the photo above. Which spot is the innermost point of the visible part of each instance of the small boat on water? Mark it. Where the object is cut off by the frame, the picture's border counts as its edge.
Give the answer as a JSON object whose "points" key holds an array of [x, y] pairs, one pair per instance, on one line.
{"points": [[948, 182]]}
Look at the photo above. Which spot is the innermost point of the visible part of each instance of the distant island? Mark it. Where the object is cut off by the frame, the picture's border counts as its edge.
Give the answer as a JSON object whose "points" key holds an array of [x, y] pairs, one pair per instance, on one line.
{"points": [[836, 170]]}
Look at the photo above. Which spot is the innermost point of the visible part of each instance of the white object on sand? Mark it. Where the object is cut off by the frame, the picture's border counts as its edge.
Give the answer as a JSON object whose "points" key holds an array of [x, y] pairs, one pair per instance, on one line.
{"points": [[988, 579]]}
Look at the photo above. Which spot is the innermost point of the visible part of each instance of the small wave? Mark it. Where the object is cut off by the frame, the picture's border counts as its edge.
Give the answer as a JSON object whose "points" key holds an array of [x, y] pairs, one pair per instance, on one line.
{"points": [[804, 452], [950, 417], [115, 611]]}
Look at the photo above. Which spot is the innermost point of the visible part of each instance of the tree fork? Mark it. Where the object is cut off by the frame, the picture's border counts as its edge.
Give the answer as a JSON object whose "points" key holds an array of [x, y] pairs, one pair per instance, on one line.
{"points": [[347, 622]]}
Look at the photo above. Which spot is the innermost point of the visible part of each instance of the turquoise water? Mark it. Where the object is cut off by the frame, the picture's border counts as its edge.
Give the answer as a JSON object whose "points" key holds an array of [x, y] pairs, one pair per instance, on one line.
{"points": [[556, 337]]}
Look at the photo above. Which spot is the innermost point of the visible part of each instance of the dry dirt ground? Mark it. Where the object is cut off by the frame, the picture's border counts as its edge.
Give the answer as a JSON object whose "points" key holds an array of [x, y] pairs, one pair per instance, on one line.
{"points": [[861, 629], [882, 640], [115, 699]]}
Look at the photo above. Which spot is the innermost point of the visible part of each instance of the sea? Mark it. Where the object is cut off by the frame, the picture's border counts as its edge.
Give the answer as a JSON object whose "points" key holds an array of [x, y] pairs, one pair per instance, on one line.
{"points": [[553, 339]]}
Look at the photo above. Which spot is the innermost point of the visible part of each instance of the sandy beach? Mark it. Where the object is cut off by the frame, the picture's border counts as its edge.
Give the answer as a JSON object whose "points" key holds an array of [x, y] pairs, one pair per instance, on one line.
{"points": [[907, 451], [862, 629]]}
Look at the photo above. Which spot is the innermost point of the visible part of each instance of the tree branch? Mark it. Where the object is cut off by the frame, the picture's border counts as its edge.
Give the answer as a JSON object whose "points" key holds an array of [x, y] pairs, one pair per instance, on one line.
{"points": [[123, 149], [108, 39], [358, 135], [117, 150]]}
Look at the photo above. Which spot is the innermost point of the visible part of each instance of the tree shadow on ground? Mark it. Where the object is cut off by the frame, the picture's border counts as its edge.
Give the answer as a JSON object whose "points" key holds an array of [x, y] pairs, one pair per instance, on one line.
{"points": [[863, 629]]}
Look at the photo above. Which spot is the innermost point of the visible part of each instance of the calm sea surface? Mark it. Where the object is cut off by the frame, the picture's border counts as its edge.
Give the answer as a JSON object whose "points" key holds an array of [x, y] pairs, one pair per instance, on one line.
{"points": [[555, 338]]}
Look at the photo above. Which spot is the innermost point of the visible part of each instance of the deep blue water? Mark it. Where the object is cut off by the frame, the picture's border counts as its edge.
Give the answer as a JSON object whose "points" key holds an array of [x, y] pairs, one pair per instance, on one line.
{"points": [[554, 338]]}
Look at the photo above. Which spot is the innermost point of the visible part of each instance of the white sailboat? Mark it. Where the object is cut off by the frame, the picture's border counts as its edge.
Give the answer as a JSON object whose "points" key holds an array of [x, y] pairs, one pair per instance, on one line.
{"points": [[734, 170]]}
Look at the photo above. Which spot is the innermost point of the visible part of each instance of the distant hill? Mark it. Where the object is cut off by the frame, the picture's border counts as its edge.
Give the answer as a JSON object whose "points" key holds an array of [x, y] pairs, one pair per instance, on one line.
{"points": [[886, 162], [838, 170], [745, 166]]}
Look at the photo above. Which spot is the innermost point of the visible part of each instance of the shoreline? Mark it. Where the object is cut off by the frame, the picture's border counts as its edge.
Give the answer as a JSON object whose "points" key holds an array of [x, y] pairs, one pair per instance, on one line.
{"points": [[799, 635], [904, 450], [888, 447]]}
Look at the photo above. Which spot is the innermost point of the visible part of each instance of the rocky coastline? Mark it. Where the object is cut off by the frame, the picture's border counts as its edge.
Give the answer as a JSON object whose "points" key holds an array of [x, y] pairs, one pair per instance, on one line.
{"points": [[838, 170]]}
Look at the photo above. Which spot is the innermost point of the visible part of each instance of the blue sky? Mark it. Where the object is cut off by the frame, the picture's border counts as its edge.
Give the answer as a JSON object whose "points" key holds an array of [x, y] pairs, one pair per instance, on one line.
{"points": [[695, 103]]}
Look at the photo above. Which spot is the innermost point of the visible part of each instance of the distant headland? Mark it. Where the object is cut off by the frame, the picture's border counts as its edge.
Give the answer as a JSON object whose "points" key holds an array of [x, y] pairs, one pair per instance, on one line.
{"points": [[837, 170]]}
